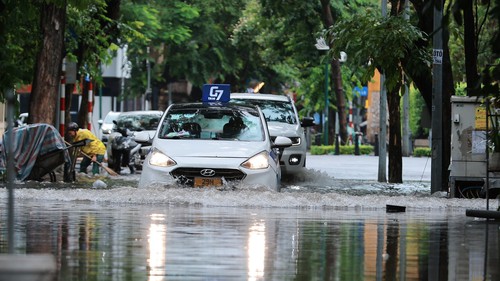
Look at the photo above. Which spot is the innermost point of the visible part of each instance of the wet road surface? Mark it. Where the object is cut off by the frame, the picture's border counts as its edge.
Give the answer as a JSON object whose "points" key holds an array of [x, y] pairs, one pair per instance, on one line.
{"points": [[320, 227]]}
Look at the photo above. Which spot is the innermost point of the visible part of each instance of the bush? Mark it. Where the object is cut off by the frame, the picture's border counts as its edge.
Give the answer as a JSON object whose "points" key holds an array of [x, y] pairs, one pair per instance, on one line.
{"points": [[343, 149], [422, 152]]}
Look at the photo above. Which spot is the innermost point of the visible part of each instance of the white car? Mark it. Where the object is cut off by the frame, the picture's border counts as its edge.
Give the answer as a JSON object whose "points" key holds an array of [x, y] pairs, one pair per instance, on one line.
{"points": [[282, 119], [220, 146], [107, 124], [133, 122]]}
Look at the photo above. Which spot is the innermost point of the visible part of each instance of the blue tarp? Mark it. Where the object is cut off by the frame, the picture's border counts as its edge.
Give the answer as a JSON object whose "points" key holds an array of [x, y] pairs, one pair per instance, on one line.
{"points": [[30, 142]]}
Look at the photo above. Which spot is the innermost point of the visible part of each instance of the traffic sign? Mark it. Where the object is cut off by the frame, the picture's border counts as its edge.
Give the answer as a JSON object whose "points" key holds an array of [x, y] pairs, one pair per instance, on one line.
{"points": [[363, 92], [437, 55]]}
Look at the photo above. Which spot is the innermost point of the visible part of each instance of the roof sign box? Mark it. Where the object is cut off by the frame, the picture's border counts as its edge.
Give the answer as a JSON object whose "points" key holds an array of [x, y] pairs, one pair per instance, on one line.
{"points": [[216, 93]]}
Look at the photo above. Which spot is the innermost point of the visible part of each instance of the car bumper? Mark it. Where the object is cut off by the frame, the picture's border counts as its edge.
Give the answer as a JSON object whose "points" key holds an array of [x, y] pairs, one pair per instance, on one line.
{"points": [[293, 159], [163, 176]]}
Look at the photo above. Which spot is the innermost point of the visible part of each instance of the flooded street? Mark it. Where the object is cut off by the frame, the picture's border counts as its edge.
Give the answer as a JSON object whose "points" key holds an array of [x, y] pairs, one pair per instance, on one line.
{"points": [[320, 227]]}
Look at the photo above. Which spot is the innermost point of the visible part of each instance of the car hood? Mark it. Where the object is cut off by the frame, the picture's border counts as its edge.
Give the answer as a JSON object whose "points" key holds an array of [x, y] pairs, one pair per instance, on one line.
{"points": [[283, 129], [151, 133], [207, 148], [107, 126]]}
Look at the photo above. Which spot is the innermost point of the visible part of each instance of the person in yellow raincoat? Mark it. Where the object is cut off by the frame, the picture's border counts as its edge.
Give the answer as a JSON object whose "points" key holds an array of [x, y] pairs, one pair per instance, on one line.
{"points": [[94, 149]]}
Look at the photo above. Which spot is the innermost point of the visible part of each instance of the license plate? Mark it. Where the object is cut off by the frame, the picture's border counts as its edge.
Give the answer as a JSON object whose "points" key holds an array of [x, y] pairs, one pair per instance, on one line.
{"points": [[203, 182]]}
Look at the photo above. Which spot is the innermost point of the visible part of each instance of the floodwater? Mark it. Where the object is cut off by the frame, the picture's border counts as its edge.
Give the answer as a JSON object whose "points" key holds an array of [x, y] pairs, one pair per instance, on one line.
{"points": [[317, 228]]}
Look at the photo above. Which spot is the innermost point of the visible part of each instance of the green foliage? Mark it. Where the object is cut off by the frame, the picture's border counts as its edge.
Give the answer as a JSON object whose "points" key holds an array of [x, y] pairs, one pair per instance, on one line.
{"points": [[18, 37], [484, 34], [461, 89], [422, 152], [294, 38], [366, 37], [417, 105], [86, 41], [208, 55], [343, 149], [157, 25]]}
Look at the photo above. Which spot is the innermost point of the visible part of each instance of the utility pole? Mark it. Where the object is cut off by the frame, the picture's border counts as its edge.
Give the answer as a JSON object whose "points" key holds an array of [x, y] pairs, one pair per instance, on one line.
{"points": [[382, 147], [11, 172], [406, 149], [437, 101], [322, 46], [406, 120], [327, 107], [147, 95]]}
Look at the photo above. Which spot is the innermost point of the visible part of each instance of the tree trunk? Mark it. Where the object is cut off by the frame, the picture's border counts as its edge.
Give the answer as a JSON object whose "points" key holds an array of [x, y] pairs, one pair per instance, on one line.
{"points": [[470, 47], [67, 106], [423, 81], [447, 92], [395, 152], [46, 82], [336, 76]]}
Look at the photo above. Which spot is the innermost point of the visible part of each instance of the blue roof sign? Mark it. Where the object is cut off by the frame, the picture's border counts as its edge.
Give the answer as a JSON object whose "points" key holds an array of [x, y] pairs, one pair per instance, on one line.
{"points": [[216, 93]]}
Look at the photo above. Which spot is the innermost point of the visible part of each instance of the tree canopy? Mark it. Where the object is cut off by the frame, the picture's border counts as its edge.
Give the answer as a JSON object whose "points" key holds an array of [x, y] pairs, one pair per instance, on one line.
{"points": [[240, 41]]}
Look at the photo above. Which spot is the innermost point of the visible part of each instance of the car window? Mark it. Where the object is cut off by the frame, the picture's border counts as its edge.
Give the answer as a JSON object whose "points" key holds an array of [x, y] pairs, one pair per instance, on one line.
{"points": [[274, 111], [212, 124], [110, 117], [138, 122]]}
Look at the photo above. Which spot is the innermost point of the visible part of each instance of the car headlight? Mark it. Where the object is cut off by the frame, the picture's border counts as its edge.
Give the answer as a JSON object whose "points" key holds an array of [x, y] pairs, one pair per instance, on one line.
{"points": [[259, 161], [160, 159]]}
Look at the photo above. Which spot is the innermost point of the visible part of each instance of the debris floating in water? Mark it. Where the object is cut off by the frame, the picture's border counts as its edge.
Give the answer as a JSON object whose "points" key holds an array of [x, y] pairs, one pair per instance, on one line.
{"points": [[99, 184], [394, 209]]}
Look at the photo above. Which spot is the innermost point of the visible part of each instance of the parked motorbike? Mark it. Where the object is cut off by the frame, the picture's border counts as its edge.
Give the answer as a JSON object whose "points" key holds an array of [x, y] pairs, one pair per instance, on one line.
{"points": [[124, 151]]}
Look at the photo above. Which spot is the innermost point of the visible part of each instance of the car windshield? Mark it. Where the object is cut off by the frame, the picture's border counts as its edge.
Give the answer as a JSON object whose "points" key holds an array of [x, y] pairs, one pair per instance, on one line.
{"points": [[138, 122], [110, 117], [274, 111], [212, 124]]}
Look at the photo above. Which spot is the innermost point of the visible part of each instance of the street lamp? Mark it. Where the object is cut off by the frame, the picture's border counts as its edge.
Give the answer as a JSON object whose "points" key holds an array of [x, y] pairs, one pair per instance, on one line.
{"points": [[322, 46], [147, 95]]}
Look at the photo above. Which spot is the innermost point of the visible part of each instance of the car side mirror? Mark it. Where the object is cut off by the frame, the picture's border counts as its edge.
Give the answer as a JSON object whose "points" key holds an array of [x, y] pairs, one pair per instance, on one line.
{"points": [[282, 142], [143, 137], [100, 121], [307, 122]]}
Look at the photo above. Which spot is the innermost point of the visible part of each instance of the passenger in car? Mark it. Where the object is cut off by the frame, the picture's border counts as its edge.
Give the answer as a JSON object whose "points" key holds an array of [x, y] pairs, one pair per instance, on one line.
{"points": [[233, 128], [193, 128]]}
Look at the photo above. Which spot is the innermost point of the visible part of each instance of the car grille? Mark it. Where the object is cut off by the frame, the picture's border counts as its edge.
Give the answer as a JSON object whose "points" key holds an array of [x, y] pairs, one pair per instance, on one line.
{"points": [[187, 175], [295, 140]]}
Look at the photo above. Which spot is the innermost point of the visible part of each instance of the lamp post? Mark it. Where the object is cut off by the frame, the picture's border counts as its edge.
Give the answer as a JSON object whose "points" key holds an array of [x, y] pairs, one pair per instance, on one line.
{"points": [[322, 46], [147, 95]]}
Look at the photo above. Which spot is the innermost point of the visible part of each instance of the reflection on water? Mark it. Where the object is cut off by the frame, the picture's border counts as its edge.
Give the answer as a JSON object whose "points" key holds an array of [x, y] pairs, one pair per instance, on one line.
{"points": [[99, 241], [256, 250], [157, 244]]}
